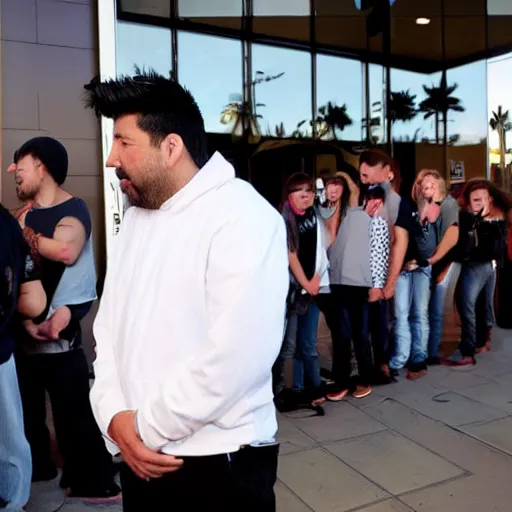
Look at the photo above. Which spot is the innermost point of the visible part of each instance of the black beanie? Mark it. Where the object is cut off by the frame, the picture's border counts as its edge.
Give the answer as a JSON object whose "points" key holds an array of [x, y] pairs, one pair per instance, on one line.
{"points": [[51, 153]]}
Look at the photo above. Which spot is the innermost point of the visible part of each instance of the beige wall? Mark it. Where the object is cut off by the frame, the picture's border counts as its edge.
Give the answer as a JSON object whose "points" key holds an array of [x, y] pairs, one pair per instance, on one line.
{"points": [[430, 156], [49, 51]]}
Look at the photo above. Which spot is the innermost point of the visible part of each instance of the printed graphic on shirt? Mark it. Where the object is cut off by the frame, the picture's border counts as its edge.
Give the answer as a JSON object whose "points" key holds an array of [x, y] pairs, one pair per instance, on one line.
{"points": [[379, 251]]}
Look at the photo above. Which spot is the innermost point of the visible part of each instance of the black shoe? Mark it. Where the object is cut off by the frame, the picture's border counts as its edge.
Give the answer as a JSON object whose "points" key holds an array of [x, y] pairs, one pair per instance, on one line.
{"points": [[44, 475], [3, 503], [287, 401], [109, 494], [433, 361], [394, 374]]}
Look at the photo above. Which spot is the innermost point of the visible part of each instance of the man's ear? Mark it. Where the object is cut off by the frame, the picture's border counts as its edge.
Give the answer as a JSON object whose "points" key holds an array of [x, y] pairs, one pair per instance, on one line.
{"points": [[172, 148]]}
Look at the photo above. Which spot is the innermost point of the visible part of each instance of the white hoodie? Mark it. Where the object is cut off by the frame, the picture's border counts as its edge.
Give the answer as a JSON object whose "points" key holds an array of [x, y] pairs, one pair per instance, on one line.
{"points": [[192, 317]]}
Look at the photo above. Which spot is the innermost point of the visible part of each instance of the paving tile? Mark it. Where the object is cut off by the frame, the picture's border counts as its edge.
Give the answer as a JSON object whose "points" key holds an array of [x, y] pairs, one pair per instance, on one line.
{"points": [[453, 445], [495, 394], [80, 506], [504, 378], [387, 506], [496, 433], [287, 501], [325, 483], [291, 438], [46, 497], [341, 421], [451, 408], [393, 462], [471, 494], [457, 378]]}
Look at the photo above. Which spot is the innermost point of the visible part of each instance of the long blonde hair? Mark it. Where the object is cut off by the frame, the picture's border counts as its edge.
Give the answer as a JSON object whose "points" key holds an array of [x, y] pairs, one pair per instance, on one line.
{"points": [[416, 188]]}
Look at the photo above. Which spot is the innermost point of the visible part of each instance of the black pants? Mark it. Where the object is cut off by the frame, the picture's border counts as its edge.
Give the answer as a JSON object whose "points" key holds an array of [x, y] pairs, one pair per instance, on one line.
{"points": [[350, 305], [379, 331], [243, 481], [87, 463]]}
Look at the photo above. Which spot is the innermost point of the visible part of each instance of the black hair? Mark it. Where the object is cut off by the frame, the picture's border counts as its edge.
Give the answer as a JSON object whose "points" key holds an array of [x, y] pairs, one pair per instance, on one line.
{"points": [[373, 157], [375, 193], [162, 104]]}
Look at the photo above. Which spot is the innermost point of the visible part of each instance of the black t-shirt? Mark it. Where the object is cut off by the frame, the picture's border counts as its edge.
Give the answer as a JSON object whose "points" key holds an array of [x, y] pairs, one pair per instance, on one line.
{"points": [[307, 228], [45, 221], [422, 239], [16, 268], [406, 221]]}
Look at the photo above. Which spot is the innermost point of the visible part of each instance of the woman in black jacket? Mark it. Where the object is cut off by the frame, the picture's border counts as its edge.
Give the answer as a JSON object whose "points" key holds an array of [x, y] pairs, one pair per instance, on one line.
{"points": [[480, 249]]}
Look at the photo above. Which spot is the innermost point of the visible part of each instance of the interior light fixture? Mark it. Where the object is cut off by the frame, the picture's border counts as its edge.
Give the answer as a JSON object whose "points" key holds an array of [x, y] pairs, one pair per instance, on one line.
{"points": [[422, 21]]}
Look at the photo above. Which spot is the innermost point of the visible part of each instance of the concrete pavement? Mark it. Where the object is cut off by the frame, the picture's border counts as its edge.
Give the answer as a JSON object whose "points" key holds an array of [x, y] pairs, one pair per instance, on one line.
{"points": [[440, 444]]}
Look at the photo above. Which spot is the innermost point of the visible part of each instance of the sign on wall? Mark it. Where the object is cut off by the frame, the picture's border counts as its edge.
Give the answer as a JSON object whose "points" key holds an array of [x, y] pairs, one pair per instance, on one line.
{"points": [[457, 171]]}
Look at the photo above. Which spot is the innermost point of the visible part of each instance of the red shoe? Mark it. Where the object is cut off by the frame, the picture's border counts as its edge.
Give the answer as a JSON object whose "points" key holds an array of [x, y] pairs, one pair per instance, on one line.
{"points": [[457, 359], [338, 396]]}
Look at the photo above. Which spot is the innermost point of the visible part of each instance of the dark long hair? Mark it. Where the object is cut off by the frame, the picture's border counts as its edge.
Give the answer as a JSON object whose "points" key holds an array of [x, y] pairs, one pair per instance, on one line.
{"points": [[295, 183], [344, 200], [501, 199]]}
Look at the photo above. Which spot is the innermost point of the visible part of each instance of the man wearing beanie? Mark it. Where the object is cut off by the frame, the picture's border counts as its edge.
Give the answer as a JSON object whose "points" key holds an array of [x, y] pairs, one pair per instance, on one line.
{"points": [[57, 227]]}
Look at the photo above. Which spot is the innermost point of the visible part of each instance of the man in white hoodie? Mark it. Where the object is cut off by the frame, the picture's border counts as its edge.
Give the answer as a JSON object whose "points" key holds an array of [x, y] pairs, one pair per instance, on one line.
{"points": [[192, 314]]}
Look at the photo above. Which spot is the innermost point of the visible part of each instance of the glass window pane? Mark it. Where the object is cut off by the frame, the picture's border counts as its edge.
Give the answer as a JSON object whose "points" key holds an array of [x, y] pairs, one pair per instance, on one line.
{"points": [[499, 7], [377, 87], [161, 8], [221, 13], [499, 77], [211, 68], [407, 94], [340, 93], [145, 46], [467, 129], [281, 8], [282, 90], [292, 22], [470, 125]]}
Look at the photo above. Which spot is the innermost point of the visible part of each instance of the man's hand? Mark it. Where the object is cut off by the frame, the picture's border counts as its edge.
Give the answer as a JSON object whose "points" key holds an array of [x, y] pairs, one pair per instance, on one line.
{"points": [[375, 294], [34, 331], [389, 290], [56, 323], [145, 463], [411, 266], [313, 287]]}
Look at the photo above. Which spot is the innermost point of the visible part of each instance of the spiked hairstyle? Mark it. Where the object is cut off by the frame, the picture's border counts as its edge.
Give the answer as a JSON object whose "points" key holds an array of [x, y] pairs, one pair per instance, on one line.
{"points": [[163, 106]]}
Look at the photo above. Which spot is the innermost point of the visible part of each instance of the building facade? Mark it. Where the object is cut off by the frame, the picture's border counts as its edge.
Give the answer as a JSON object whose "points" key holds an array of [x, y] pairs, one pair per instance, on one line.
{"points": [[421, 79]]}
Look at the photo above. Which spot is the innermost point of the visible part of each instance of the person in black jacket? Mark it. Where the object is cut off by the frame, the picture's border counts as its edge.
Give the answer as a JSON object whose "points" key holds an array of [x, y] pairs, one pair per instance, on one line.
{"points": [[480, 249], [21, 291]]}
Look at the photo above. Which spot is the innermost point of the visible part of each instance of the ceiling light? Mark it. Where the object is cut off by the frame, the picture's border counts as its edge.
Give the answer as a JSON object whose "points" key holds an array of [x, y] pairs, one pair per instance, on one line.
{"points": [[422, 21]]}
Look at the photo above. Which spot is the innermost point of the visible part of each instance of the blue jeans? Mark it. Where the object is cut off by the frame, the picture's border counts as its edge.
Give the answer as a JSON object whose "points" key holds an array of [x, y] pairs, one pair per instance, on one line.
{"points": [[412, 297], [475, 279], [15, 460], [437, 308], [300, 343]]}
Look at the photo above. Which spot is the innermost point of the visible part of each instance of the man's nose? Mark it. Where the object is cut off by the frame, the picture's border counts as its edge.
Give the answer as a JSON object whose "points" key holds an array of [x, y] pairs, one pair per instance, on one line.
{"points": [[112, 160]]}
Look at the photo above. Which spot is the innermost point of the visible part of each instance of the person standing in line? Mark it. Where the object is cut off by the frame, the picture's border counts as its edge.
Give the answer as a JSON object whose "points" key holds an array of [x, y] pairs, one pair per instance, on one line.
{"points": [[57, 227], [482, 246], [412, 293], [430, 186], [20, 290], [192, 315], [377, 168], [309, 275], [351, 281], [338, 197]]}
